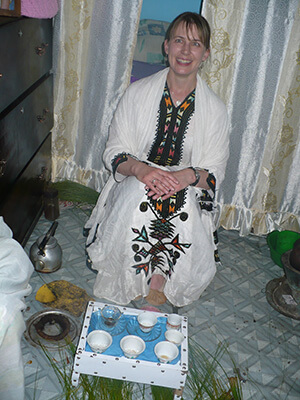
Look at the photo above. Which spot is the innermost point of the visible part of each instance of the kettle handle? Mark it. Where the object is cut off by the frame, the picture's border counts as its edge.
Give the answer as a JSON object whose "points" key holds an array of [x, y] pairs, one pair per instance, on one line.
{"points": [[46, 238]]}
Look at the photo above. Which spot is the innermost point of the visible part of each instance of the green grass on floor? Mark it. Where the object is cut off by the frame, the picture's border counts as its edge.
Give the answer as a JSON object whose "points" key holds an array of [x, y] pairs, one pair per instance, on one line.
{"points": [[75, 192], [206, 379]]}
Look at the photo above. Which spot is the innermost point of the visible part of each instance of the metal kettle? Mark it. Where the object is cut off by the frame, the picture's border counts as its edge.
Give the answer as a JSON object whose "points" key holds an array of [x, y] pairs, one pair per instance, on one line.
{"points": [[46, 254]]}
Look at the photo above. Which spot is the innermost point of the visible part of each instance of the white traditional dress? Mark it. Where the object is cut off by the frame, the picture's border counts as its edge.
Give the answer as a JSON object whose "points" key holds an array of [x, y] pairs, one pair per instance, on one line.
{"points": [[131, 236]]}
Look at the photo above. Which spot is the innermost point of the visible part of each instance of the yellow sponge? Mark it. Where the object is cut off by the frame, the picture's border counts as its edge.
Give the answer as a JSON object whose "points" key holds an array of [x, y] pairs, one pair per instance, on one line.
{"points": [[45, 295], [64, 296]]}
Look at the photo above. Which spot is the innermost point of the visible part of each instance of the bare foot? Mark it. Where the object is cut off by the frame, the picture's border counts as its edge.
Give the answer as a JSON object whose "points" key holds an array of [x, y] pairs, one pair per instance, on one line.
{"points": [[155, 297], [157, 282]]}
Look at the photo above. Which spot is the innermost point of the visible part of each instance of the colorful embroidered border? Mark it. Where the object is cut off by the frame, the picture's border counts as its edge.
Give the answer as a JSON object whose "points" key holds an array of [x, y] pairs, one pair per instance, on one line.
{"points": [[166, 208], [118, 159], [171, 129], [207, 197]]}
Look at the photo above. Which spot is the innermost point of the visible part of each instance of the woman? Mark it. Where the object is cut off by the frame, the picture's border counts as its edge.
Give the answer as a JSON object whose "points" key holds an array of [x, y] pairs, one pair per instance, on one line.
{"points": [[151, 232]]}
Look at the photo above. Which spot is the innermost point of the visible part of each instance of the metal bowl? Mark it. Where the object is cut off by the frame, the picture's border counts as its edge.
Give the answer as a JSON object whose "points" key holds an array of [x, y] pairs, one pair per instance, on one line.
{"points": [[51, 329]]}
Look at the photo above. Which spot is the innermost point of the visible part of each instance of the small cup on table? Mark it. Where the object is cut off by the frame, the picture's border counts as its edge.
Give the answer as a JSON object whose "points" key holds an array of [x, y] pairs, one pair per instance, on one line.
{"points": [[174, 336], [132, 346], [110, 315], [173, 321], [99, 341], [166, 351], [147, 320]]}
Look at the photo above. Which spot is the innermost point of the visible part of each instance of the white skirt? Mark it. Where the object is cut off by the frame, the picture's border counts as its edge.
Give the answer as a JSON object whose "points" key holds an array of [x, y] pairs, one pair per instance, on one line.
{"points": [[121, 247]]}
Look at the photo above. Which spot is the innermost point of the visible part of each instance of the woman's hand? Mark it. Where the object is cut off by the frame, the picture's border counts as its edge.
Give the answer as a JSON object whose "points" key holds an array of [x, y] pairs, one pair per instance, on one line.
{"points": [[159, 182], [184, 178]]}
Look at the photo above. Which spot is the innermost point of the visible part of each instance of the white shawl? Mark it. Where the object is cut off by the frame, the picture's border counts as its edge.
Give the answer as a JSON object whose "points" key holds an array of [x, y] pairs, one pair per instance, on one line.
{"points": [[136, 118]]}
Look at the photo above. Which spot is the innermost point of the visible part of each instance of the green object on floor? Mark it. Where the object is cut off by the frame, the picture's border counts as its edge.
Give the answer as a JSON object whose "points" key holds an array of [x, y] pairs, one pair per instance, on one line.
{"points": [[75, 192], [280, 242]]}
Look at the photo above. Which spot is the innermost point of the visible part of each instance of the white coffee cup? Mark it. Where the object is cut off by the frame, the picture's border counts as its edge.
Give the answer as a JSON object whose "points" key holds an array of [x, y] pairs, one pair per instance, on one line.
{"points": [[99, 340], [166, 351], [174, 321], [174, 336], [132, 346], [147, 320]]}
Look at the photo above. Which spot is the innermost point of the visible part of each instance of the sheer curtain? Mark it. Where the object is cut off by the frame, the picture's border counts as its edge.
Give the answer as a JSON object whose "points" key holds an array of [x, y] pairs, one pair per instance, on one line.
{"points": [[255, 69], [93, 49]]}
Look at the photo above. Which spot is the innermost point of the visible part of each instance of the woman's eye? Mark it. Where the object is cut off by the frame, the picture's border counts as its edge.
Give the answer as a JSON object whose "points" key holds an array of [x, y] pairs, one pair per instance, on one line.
{"points": [[178, 40], [197, 44]]}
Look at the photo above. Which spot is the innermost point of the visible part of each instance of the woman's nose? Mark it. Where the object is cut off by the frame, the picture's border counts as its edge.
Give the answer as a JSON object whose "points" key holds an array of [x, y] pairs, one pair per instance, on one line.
{"points": [[186, 48]]}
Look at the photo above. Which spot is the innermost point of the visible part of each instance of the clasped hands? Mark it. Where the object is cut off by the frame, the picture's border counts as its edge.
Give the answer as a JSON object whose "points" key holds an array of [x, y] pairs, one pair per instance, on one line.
{"points": [[161, 183]]}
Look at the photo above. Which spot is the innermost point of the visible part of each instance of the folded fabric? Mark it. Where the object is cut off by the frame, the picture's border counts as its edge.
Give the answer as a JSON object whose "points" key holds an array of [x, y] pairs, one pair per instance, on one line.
{"points": [[12, 370], [39, 8], [15, 272]]}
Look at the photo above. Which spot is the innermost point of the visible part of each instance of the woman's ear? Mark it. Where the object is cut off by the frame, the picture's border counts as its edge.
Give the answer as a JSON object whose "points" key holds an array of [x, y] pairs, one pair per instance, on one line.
{"points": [[166, 47], [205, 55]]}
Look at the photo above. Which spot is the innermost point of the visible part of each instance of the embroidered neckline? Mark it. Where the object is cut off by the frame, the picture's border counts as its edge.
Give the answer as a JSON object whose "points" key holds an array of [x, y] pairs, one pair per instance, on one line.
{"points": [[172, 124]]}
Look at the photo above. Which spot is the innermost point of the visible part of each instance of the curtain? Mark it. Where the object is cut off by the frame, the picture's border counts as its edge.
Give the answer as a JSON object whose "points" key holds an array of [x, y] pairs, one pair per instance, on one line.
{"points": [[94, 42], [255, 68]]}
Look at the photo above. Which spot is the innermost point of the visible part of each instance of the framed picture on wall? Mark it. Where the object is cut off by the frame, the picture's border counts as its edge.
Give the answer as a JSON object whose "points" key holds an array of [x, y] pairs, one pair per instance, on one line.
{"points": [[10, 8]]}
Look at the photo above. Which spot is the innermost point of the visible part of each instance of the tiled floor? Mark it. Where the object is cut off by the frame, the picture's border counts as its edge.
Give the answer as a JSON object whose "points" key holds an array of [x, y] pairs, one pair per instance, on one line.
{"points": [[264, 343]]}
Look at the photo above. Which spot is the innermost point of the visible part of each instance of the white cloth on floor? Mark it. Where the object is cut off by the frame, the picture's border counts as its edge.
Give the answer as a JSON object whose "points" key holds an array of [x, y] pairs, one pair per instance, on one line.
{"points": [[11, 361], [15, 272], [117, 221]]}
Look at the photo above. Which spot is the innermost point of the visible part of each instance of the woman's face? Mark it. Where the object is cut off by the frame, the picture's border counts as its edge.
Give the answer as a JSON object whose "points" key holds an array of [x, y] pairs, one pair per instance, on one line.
{"points": [[185, 51]]}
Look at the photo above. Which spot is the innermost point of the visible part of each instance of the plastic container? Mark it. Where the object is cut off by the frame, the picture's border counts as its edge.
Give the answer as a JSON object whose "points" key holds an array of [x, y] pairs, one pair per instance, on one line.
{"points": [[280, 242]]}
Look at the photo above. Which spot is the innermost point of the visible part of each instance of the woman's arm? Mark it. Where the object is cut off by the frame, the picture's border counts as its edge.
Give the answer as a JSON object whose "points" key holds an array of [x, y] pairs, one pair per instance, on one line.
{"points": [[162, 183]]}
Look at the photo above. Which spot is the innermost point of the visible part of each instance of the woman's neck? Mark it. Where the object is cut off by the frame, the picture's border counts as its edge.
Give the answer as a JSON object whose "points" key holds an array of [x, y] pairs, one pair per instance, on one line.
{"points": [[180, 87]]}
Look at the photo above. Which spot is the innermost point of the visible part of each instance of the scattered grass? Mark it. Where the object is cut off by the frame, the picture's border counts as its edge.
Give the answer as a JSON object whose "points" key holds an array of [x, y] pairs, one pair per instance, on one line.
{"points": [[90, 387], [162, 393], [207, 379]]}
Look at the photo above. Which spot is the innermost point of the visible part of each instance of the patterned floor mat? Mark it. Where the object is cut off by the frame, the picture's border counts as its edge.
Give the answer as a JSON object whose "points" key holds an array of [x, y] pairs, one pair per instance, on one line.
{"points": [[264, 343]]}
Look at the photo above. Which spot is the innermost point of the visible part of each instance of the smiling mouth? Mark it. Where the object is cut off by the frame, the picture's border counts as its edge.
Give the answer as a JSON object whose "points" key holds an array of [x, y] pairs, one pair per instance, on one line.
{"points": [[181, 61]]}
